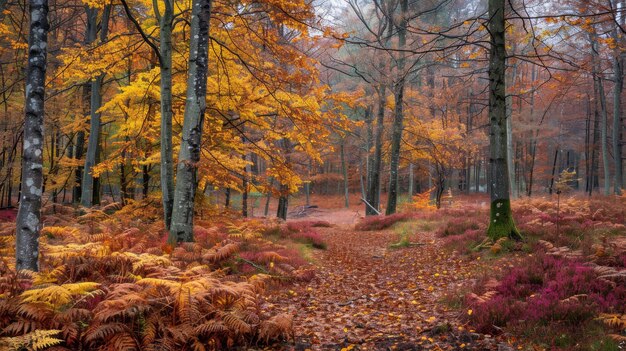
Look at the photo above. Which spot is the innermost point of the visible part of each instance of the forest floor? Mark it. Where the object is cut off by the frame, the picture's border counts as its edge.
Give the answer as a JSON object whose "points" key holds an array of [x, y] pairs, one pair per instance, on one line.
{"points": [[370, 296]]}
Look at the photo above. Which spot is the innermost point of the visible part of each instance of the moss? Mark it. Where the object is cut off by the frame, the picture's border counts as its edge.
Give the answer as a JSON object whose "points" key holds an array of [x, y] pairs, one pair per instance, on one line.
{"points": [[501, 224]]}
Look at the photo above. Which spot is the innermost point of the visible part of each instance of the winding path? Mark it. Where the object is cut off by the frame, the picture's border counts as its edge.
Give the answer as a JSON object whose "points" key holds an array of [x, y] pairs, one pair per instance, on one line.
{"points": [[367, 296]]}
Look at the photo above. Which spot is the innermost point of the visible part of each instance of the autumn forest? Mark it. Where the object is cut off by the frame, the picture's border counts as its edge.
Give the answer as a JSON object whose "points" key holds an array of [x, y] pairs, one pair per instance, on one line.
{"points": [[312, 175]]}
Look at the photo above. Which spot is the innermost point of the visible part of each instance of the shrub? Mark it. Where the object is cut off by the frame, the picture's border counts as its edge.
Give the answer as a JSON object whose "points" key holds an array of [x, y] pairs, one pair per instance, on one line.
{"points": [[545, 289], [372, 223], [310, 237], [458, 226], [303, 232]]}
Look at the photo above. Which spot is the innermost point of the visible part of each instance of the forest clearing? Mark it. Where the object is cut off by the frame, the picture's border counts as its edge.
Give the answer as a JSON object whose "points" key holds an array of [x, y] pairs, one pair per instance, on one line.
{"points": [[312, 175]]}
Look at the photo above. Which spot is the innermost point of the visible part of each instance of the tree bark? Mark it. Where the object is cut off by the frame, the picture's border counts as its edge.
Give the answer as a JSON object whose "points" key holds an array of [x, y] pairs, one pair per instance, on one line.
{"points": [[618, 69], [398, 121], [344, 172], [93, 144], [28, 222], [373, 193], [181, 229], [283, 202], [509, 139], [603, 113], [501, 222], [167, 151], [411, 181]]}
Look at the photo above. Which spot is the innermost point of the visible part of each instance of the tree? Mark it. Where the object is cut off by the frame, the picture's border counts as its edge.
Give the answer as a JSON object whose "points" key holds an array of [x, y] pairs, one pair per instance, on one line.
{"points": [[398, 118], [90, 187], [501, 222], [28, 223], [181, 229]]}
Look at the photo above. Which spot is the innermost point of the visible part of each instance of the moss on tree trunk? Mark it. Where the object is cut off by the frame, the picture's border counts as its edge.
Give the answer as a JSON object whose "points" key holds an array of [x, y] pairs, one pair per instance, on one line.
{"points": [[501, 223]]}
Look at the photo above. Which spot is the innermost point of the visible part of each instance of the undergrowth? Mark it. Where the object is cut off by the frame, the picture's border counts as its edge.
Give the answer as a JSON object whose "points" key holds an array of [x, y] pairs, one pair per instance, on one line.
{"points": [[568, 290], [372, 223], [109, 282]]}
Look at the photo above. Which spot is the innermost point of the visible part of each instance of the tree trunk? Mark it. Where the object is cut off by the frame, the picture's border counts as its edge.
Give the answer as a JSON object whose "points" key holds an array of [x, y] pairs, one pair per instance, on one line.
{"points": [[618, 69], [510, 161], [588, 176], [145, 180], [93, 144], [373, 191], [167, 151], [266, 212], [603, 113], [283, 202], [398, 120], [181, 229], [596, 138], [245, 183], [556, 157], [28, 222], [344, 172], [410, 182], [90, 37], [501, 222]]}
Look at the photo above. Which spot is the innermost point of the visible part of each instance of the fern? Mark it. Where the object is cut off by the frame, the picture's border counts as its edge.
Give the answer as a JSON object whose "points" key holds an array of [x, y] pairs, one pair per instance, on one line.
{"points": [[35, 340], [60, 295]]}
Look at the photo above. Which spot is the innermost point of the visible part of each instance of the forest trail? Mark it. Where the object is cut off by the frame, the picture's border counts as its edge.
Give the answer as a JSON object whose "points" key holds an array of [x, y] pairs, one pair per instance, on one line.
{"points": [[368, 296]]}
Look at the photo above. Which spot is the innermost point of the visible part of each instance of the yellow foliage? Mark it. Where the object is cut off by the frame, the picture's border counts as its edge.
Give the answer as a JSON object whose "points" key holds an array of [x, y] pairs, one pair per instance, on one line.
{"points": [[35, 340], [59, 295]]}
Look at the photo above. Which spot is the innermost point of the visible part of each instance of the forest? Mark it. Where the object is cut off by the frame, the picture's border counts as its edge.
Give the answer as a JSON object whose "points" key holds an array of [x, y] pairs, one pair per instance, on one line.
{"points": [[312, 175]]}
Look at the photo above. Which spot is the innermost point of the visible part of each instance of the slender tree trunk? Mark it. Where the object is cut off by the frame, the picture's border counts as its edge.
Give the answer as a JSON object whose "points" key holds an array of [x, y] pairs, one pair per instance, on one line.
{"points": [[167, 151], [369, 138], [588, 176], [556, 157], [93, 144], [90, 37], [509, 138], [373, 191], [145, 182], [603, 113], [411, 181], [266, 212], [596, 139], [618, 69], [398, 121], [344, 172], [283, 202], [245, 182], [181, 229], [28, 222], [501, 222]]}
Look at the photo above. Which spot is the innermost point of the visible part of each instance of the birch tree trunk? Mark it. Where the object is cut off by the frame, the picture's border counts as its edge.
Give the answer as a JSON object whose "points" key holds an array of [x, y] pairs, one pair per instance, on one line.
{"points": [[93, 143], [501, 222], [28, 222], [167, 152], [181, 229], [398, 121]]}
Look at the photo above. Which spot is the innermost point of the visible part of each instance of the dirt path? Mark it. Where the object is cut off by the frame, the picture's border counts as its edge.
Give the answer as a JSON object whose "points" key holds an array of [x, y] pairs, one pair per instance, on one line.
{"points": [[367, 296]]}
